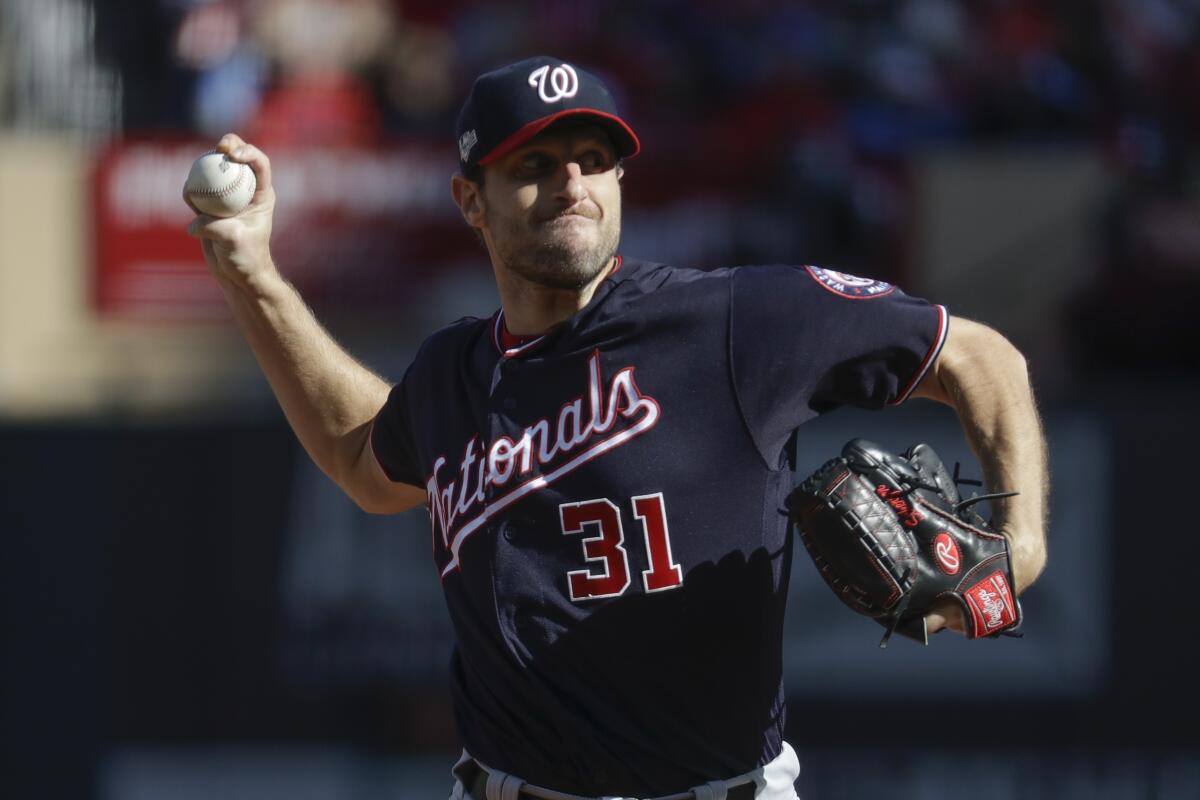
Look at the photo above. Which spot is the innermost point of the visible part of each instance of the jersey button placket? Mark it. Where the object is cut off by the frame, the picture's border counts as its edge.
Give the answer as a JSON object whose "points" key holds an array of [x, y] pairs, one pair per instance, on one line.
{"points": [[502, 396], [499, 403]]}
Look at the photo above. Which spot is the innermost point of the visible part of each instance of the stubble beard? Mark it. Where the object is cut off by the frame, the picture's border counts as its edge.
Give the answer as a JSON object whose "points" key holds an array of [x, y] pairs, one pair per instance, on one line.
{"points": [[561, 262]]}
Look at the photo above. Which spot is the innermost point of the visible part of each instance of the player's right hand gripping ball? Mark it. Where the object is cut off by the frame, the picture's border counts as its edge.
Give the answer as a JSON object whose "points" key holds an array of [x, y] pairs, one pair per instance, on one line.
{"points": [[891, 535], [219, 187]]}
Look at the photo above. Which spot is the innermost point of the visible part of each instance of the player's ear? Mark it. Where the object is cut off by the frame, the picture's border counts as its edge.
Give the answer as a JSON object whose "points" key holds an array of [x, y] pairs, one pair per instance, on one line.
{"points": [[468, 195]]}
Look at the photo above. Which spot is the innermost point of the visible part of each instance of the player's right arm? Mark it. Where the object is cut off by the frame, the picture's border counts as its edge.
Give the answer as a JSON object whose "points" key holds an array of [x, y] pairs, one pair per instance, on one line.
{"points": [[328, 397]]}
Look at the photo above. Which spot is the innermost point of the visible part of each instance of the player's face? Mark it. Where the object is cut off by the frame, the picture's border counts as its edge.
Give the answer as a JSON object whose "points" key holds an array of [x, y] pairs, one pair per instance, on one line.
{"points": [[553, 207]]}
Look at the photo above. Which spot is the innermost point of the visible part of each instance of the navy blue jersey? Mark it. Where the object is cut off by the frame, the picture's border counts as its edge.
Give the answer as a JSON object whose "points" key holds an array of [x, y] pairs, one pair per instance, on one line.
{"points": [[605, 504]]}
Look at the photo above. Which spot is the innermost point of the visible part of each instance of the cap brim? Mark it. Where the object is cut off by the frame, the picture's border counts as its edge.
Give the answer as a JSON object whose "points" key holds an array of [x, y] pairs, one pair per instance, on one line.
{"points": [[624, 139]]}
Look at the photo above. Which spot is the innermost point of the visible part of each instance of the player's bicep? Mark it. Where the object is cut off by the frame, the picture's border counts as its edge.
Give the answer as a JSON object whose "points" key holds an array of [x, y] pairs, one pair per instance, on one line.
{"points": [[970, 347], [374, 491]]}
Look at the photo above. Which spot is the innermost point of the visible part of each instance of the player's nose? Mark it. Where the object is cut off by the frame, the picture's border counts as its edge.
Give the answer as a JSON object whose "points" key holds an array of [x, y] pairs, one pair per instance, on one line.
{"points": [[571, 187]]}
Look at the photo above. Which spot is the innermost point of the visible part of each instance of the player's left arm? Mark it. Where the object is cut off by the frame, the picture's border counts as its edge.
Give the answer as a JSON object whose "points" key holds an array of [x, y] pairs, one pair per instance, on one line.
{"points": [[984, 378]]}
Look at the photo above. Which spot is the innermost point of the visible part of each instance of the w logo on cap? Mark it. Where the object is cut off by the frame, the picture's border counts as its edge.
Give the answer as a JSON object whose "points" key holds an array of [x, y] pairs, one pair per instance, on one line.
{"points": [[562, 82]]}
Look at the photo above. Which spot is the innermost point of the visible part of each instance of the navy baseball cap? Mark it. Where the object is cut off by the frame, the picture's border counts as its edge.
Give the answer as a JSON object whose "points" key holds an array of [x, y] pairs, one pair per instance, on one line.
{"points": [[512, 104]]}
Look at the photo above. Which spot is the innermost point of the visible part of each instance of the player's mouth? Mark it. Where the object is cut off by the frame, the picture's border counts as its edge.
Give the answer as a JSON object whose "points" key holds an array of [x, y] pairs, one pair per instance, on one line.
{"points": [[571, 215], [568, 219]]}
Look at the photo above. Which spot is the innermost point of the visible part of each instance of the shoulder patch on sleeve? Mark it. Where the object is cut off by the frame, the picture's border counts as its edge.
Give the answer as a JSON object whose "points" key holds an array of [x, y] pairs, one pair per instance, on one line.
{"points": [[849, 286]]}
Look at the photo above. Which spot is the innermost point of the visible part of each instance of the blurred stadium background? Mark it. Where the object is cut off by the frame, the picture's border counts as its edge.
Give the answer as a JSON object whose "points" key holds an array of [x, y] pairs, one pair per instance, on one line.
{"points": [[189, 610]]}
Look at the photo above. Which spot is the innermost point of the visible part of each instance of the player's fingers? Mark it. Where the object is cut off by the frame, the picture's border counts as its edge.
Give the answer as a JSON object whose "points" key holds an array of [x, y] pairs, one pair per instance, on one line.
{"points": [[230, 142], [198, 227], [205, 226], [945, 614], [258, 161]]}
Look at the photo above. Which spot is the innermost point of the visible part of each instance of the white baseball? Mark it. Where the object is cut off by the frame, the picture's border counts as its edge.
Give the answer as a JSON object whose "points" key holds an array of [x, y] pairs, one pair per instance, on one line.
{"points": [[219, 187]]}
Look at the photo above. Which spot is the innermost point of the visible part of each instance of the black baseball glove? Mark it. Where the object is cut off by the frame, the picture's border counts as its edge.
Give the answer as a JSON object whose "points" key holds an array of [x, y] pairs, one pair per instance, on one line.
{"points": [[891, 535]]}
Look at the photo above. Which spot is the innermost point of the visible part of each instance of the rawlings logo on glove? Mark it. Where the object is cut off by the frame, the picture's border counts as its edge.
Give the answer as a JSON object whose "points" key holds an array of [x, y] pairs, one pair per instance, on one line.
{"points": [[891, 536]]}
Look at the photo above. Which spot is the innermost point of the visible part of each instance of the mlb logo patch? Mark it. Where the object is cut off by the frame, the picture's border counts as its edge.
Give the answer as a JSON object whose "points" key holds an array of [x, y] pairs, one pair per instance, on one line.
{"points": [[465, 143]]}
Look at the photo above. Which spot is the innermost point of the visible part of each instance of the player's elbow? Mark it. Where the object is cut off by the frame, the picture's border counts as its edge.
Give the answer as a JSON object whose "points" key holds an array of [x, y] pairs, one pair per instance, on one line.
{"points": [[1007, 357], [366, 502], [377, 508], [1008, 363], [368, 499], [375, 497]]}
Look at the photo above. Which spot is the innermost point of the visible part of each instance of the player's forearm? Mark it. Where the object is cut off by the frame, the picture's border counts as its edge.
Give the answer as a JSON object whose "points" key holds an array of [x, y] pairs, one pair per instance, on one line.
{"points": [[987, 382], [328, 398]]}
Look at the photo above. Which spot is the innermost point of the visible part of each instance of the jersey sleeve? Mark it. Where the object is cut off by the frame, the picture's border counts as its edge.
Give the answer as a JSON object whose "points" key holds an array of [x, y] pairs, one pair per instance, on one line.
{"points": [[805, 340], [392, 438]]}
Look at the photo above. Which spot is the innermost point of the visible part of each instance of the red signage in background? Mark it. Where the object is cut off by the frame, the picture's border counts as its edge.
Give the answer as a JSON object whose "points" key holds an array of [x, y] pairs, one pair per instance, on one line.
{"points": [[355, 229]]}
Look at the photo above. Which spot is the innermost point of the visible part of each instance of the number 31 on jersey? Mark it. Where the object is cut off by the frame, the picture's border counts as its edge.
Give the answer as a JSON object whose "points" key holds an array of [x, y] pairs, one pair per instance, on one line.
{"points": [[606, 547]]}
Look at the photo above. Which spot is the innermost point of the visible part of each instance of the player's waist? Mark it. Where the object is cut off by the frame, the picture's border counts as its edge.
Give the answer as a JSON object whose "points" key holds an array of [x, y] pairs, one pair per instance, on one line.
{"points": [[476, 778], [773, 781]]}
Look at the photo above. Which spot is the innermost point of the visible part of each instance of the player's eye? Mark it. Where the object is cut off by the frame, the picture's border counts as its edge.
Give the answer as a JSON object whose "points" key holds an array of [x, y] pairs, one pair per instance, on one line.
{"points": [[534, 164], [593, 161]]}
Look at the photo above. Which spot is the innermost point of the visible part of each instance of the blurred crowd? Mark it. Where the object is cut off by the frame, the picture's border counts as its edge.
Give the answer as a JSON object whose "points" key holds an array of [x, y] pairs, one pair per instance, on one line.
{"points": [[807, 114], [878, 78]]}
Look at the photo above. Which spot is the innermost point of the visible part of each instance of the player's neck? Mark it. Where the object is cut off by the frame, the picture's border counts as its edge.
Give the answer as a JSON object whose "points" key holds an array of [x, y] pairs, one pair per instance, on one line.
{"points": [[531, 309]]}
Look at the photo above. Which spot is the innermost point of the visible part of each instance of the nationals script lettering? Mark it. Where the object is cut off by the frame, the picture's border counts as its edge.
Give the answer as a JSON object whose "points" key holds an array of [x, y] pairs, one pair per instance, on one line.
{"points": [[596, 421]]}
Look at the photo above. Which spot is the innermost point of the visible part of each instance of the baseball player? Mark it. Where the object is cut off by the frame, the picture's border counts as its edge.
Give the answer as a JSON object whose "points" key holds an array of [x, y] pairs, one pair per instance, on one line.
{"points": [[604, 458]]}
